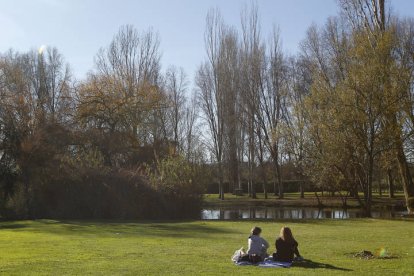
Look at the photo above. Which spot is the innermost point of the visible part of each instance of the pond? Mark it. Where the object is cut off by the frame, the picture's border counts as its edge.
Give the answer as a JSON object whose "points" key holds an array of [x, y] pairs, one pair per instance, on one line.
{"points": [[254, 212]]}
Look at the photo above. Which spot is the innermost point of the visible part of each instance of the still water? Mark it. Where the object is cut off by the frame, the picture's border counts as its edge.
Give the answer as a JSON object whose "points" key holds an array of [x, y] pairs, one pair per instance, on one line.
{"points": [[227, 213]]}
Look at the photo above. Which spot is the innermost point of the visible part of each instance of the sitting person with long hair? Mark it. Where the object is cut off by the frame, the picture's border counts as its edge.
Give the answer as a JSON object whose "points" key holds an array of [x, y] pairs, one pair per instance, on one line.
{"points": [[286, 246], [257, 246]]}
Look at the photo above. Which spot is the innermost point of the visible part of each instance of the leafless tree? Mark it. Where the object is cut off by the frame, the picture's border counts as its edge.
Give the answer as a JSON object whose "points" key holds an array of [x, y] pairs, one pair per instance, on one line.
{"points": [[252, 64], [274, 106], [130, 66], [176, 85], [211, 87]]}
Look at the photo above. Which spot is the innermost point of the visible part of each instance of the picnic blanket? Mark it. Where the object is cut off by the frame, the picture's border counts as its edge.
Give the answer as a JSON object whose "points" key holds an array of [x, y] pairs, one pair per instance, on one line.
{"points": [[267, 263]]}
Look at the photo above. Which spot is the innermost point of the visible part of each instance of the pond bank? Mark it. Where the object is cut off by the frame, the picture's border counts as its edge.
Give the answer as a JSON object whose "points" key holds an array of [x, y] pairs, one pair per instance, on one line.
{"points": [[294, 200], [294, 213]]}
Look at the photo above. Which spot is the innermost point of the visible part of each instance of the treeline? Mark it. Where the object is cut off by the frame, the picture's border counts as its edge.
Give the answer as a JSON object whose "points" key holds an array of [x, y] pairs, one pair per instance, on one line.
{"points": [[131, 141], [340, 111], [119, 144]]}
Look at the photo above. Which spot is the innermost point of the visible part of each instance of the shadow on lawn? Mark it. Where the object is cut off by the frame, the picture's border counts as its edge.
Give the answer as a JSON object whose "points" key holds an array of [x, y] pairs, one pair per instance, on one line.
{"points": [[22, 224], [188, 229], [12, 226], [311, 264], [181, 229]]}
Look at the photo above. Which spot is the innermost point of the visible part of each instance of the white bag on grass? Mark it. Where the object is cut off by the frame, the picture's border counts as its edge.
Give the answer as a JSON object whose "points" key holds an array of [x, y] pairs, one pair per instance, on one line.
{"points": [[238, 254]]}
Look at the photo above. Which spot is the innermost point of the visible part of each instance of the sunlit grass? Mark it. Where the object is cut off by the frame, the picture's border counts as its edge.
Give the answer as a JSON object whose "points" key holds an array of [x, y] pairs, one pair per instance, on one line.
{"points": [[197, 247]]}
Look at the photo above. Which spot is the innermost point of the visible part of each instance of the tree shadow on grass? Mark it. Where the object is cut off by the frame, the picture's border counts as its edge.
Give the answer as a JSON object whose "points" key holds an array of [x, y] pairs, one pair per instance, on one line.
{"points": [[185, 230], [25, 224], [173, 229], [314, 265], [12, 226]]}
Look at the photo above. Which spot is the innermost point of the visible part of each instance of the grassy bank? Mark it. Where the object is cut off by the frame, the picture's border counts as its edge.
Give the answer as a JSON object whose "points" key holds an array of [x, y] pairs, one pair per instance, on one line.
{"points": [[294, 200], [197, 247]]}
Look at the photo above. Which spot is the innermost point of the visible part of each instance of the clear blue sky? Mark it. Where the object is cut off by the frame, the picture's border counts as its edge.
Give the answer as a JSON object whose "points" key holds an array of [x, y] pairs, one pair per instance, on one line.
{"points": [[78, 28]]}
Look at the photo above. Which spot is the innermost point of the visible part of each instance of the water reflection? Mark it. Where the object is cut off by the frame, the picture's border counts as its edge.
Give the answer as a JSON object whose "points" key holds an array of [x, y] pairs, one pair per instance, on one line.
{"points": [[231, 213]]}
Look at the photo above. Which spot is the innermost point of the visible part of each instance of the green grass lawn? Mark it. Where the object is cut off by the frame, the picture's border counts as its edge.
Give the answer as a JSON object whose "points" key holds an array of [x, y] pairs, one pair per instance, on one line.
{"points": [[198, 247]]}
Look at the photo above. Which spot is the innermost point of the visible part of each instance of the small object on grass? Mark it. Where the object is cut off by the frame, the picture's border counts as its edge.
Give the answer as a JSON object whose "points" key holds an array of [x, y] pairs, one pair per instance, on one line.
{"points": [[382, 253], [364, 254], [238, 255], [385, 254]]}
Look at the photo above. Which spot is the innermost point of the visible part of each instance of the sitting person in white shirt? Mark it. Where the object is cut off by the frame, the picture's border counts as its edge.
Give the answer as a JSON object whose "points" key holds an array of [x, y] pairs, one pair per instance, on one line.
{"points": [[257, 246]]}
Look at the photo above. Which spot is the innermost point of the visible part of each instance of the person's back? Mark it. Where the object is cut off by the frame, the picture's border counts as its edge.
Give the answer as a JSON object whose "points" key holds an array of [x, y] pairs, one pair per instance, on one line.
{"points": [[286, 246], [285, 250], [257, 245]]}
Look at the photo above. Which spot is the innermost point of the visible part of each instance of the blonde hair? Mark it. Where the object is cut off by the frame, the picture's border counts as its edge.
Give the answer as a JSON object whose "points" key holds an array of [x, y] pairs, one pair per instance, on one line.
{"points": [[286, 234]]}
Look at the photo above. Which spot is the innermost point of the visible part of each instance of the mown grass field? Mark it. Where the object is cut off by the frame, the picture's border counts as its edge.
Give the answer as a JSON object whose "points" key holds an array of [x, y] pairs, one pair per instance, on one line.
{"points": [[48, 247]]}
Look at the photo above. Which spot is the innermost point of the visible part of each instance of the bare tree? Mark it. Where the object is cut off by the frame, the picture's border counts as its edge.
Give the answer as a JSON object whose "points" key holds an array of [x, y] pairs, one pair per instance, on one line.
{"points": [[273, 105], [213, 110], [229, 79], [130, 66], [176, 85], [252, 64], [366, 14], [296, 117], [191, 140]]}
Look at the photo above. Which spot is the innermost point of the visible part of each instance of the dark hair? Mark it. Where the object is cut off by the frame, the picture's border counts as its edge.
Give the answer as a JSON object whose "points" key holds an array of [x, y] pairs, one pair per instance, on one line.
{"points": [[256, 231]]}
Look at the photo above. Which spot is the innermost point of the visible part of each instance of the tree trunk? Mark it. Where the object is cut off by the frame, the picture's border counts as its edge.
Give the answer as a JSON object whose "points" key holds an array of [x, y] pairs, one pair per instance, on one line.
{"points": [[221, 189], [279, 180], [368, 195], [379, 184], [251, 163], [382, 14], [249, 186], [302, 190], [264, 181], [406, 179], [354, 192], [28, 196], [379, 188], [278, 169], [253, 190], [390, 183], [403, 166], [239, 178], [235, 174]]}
